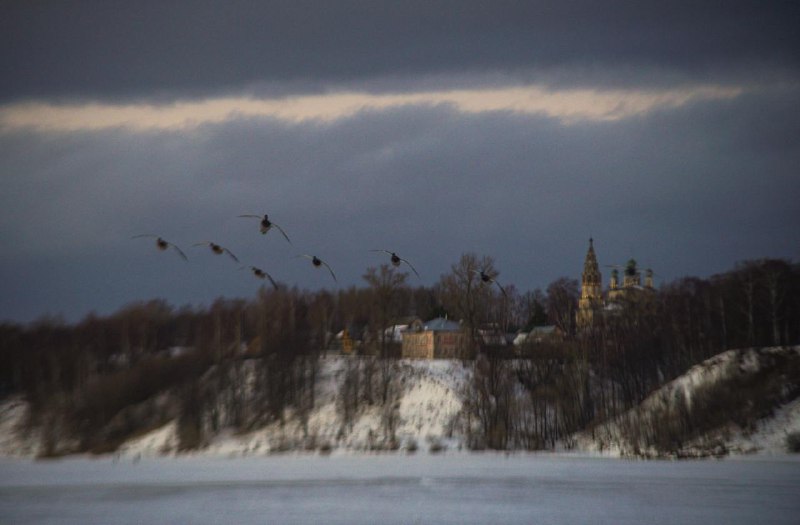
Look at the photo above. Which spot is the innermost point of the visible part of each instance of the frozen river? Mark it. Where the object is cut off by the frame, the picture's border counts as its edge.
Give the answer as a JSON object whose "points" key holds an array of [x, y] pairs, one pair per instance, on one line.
{"points": [[457, 488]]}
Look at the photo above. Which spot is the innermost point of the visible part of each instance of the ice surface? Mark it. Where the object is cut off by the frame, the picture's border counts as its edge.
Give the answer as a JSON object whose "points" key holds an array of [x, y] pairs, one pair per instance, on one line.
{"points": [[452, 488]]}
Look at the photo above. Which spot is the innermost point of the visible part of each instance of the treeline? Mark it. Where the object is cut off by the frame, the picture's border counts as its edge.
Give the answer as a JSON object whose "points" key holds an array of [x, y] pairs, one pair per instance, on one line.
{"points": [[638, 343], [244, 363]]}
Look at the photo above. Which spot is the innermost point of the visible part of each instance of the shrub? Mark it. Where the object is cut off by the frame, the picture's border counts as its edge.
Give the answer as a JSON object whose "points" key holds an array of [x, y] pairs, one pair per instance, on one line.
{"points": [[739, 398], [110, 395], [793, 442], [436, 447]]}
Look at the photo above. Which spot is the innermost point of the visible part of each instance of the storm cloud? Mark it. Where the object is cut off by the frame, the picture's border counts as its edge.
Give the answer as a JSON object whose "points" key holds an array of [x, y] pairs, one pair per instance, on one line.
{"points": [[118, 49], [515, 130]]}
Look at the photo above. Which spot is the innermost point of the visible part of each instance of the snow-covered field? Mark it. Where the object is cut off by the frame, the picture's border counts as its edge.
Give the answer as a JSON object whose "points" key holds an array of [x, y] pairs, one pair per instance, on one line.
{"points": [[395, 488]]}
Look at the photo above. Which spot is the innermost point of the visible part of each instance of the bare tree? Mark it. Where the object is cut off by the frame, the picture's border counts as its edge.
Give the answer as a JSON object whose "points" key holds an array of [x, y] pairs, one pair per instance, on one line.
{"points": [[562, 304], [531, 309], [465, 296], [490, 401], [385, 284], [775, 277]]}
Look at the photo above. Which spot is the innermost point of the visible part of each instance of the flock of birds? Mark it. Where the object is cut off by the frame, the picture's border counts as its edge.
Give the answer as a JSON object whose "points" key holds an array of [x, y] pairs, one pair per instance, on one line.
{"points": [[265, 225]]}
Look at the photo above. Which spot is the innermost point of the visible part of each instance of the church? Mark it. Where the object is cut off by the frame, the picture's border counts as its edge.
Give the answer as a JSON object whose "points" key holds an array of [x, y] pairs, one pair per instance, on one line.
{"points": [[593, 302]]}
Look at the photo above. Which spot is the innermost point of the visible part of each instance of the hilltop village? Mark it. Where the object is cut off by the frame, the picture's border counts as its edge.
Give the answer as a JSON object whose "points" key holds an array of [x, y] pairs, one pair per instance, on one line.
{"points": [[480, 366], [443, 338]]}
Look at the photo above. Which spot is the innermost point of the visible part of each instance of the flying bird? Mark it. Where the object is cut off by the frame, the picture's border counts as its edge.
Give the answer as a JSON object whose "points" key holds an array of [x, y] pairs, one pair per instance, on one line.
{"points": [[317, 262], [217, 249], [265, 225], [261, 274], [396, 260], [162, 245], [487, 279]]}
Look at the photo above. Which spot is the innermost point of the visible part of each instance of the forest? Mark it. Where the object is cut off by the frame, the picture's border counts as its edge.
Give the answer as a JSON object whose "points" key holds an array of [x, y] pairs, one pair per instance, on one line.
{"points": [[243, 363]]}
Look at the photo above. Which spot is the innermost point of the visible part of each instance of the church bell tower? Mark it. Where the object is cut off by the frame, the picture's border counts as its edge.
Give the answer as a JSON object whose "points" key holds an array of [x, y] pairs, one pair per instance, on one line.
{"points": [[591, 289]]}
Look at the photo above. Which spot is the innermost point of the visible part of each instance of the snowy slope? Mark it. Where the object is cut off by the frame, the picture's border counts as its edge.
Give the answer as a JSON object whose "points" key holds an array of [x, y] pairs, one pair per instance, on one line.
{"points": [[428, 403], [14, 442], [768, 437], [425, 416]]}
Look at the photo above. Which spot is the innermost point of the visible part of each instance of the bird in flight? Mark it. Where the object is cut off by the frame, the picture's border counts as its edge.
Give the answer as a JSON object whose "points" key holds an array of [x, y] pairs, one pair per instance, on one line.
{"points": [[396, 260], [317, 262], [265, 225], [161, 244], [217, 249], [487, 279], [261, 274]]}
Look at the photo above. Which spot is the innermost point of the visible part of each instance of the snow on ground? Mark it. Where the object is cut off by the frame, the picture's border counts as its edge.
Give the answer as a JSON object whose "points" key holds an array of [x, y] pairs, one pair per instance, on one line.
{"points": [[161, 441], [432, 402], [14, 440], [425, 412], [429, 402], [768, 439], [770, 436]]}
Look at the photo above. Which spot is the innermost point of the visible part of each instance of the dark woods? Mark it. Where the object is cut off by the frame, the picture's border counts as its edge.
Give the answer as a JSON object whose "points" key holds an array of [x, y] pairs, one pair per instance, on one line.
{"points": [[241, 364]]}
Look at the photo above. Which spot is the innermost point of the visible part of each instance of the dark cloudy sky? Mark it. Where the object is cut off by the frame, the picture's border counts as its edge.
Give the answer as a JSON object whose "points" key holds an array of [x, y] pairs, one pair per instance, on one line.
{"points": [[668, 131]]}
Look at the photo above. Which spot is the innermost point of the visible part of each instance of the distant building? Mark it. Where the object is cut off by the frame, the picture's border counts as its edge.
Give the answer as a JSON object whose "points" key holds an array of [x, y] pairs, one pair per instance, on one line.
{"points": [[495, 338], [591, 300], [394, 333], [349, 340], [593, 303], [543, 334], [438, 338], [540, 334]]}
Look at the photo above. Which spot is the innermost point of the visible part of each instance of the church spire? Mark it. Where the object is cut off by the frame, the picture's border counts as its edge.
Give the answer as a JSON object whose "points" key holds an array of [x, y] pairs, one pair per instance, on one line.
{"points": [[591, 293], [591, 270]]}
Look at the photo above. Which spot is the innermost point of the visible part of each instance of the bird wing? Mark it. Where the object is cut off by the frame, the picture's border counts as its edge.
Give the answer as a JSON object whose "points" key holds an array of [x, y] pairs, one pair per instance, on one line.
{"points": [[144, 235], [282, 232], [231, 254], [501, 288], [252, 215], [411, 266], [271, 280], [179, 251], [384, 251], [267, 275], [329, 269]]}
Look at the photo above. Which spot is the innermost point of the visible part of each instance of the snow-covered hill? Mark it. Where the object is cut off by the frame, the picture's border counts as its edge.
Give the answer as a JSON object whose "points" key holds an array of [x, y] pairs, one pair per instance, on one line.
{"points": [[424, 413], [425, 416], [428, 405], [754, 392]]}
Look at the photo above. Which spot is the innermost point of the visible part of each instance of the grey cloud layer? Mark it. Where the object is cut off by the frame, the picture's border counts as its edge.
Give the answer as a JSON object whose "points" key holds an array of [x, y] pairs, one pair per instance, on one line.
{"points": [[111, 50], [689, 191]]}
